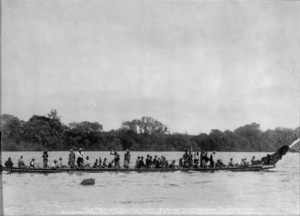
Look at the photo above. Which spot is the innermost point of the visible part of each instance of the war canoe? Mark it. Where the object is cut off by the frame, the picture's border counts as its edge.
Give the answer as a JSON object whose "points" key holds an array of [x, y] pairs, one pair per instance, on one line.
{"points": [[95, 170], [267, 162]]}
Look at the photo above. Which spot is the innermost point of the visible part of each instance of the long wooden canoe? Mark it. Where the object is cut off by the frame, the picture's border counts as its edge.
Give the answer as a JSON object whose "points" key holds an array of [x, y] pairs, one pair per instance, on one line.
{"points": [[269, 163], [92, 170]]}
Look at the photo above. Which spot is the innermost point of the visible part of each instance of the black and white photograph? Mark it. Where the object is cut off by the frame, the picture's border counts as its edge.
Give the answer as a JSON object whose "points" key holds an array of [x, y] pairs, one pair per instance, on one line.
{"points": [[150, 107]]}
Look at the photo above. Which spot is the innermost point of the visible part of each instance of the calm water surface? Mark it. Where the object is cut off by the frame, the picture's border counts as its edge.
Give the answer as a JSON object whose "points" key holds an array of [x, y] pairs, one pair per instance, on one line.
{"points": [[274, 192]]}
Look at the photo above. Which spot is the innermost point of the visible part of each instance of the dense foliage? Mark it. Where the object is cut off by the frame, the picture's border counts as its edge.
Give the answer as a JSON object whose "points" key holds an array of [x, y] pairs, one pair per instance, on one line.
{"points": [[145, 134]]}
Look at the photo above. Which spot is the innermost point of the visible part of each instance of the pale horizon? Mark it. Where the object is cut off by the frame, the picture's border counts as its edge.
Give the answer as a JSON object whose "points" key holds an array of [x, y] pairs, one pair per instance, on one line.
{"points": [[194, 66]]}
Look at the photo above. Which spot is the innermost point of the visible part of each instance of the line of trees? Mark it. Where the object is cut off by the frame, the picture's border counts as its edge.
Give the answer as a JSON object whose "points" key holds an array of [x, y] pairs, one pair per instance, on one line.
{"points": [[145, 134]]}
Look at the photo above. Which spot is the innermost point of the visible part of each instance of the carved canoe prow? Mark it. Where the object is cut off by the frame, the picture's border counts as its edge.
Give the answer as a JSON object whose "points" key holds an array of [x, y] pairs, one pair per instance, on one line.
{"points": [[274, 158]]}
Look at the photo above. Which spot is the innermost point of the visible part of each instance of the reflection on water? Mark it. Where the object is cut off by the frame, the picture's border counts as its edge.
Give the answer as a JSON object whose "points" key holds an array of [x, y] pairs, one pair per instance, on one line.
{"points": [[269, 192]]}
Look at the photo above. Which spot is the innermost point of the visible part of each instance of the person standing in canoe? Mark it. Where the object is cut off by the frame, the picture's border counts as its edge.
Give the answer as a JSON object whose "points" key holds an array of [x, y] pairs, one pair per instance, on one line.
{"points": [[205, 159], [148, 161], [80, 158], [127, 159], [211, 160], [116, 159], [185, 158], [45, 159], [190, 159], [202, 161], [71, 162], [196, 159]]}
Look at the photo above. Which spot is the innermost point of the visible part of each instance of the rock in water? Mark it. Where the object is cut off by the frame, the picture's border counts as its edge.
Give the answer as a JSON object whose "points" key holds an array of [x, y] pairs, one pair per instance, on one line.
{"points": [[89, 181]]}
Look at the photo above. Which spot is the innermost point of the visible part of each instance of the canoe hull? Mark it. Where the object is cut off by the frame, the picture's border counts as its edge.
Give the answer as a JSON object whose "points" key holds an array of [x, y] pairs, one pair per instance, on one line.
{"points": [[67, 170]]}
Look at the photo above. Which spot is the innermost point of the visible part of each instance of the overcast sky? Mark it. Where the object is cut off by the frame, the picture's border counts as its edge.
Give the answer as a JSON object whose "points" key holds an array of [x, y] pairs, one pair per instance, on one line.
{"points": [[193, 65]]}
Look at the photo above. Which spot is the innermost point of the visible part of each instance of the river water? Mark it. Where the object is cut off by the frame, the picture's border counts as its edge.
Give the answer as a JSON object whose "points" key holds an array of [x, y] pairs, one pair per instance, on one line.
{"points": [[273, 192]]}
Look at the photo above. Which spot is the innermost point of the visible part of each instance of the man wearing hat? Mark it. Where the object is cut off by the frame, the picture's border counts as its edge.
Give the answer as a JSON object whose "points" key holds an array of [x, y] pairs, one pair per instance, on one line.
{"points": [[71, 162], [127, 159]]}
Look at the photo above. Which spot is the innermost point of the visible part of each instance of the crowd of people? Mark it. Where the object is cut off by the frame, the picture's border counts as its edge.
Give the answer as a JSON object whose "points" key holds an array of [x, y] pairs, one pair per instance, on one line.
{"points": [[188, 160], [153, 162]]}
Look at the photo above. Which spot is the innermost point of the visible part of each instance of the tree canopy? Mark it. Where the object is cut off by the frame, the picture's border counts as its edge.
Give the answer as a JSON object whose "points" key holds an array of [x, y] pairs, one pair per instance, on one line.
{"points": [[145, 125], [144, 134]]}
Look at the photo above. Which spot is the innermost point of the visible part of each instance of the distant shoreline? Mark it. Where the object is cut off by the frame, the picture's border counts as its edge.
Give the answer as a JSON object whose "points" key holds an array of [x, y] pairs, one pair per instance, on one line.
{"points": [[147, 134]]}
